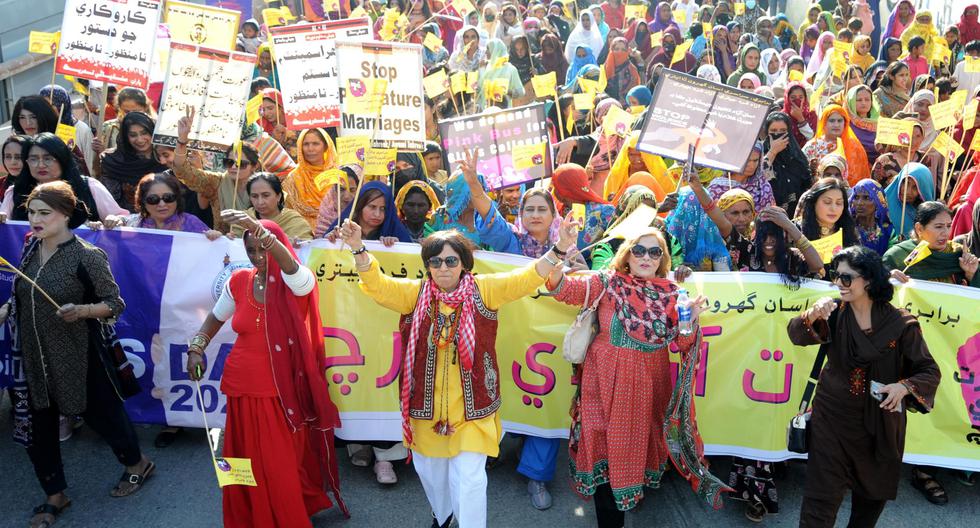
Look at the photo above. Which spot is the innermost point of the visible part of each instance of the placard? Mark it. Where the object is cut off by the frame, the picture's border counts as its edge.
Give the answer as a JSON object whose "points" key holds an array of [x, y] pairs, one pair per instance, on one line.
{"points": [[498, 139], [401, 122], [306, 65], [110, 41], [201, 25], [216, 84], [896, 132], [722, 121]]}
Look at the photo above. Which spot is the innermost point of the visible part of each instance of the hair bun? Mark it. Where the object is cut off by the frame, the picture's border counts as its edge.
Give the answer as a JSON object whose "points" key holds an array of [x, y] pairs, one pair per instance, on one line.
{"points": [[79, 216]]}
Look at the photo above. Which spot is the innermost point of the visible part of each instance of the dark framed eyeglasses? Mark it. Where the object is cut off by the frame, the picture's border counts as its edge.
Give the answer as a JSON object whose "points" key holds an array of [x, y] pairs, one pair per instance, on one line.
{"points": [[639, 251], [844, 278], [436, 262], [154, 199], [229, 163]]}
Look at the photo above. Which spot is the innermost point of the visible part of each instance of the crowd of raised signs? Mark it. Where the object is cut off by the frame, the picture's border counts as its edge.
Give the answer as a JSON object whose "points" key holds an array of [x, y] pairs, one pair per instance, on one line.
{"points": [[869, 140]]}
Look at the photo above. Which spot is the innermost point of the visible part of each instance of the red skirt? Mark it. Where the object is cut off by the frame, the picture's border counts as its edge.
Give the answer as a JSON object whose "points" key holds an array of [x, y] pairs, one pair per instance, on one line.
{"points": [[290, 488]]}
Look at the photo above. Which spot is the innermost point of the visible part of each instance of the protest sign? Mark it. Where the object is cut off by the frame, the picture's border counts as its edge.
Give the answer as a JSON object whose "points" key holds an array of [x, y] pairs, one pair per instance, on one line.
{"points": [[544, 85], [307, 69], [495, 138], [829, 246], [379, 161], [242, 6], [351, 149], [617, 122], [109, 41], [895, 132], [401, 121], [435, 84], [66, 133], [947, 147], [200, 25], [216, 84], [946, 113], [722, 122], [43, 43], [970, 114]]}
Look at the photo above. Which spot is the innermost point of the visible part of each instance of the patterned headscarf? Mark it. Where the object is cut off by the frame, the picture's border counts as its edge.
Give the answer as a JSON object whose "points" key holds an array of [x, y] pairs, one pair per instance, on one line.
{"points": [[697, 234], [877, 196], [832, 160], [61, 102], [733, 196], [424, 187]]}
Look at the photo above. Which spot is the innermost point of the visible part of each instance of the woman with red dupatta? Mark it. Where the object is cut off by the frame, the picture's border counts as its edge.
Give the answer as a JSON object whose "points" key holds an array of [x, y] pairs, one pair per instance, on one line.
{"points": [[279, 411]]}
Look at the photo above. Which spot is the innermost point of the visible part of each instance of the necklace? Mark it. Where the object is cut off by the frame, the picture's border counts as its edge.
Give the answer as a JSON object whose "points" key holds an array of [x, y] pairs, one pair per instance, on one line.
{"points": [[826, 231], [447, 325], [259, 283]]}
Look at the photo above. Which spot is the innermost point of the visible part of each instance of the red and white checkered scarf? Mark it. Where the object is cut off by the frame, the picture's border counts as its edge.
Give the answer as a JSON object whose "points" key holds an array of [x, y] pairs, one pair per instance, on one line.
{"points": [[465, 335]]}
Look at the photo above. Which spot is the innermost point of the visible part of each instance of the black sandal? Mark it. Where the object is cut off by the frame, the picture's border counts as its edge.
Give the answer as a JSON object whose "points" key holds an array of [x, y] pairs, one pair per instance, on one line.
{"points": [[48, 509], [167, 437], [136, 480], [930, 487]]}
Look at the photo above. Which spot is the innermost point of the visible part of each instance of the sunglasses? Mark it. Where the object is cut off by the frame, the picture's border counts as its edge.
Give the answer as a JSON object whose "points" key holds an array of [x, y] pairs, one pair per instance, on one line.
{"points": [[154, 199], [639, 251], [436, 262], [229, 163], [844, 278]]}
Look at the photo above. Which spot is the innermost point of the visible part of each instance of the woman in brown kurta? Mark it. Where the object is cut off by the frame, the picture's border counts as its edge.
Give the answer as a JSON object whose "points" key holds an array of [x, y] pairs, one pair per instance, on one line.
{"points": [[858, 433]]}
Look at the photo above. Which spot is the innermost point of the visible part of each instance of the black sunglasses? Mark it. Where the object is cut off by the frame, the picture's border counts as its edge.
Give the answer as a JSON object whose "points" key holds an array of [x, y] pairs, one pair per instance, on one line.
{"points": [[844, 278], [154, 199], [436, 262], [229, 163], [639, 251]]}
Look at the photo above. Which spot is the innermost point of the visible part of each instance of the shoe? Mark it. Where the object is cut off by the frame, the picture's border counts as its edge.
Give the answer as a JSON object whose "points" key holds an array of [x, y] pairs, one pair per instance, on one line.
{"points": [[967, 478], [931, 488], [755, 512], [448, 524], [385, 472], [540, 498], [361, 457], [65, 429], [166, 437]]}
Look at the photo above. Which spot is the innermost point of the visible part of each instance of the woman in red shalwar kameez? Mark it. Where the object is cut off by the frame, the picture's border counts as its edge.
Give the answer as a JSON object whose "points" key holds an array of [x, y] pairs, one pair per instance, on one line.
{"points": [[279, 411]]}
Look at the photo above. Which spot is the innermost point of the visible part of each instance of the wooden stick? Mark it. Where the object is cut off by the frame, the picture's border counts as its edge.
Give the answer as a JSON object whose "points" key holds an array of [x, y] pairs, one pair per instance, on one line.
{"points": [[238, 164], [561, 126], [33, 284]]}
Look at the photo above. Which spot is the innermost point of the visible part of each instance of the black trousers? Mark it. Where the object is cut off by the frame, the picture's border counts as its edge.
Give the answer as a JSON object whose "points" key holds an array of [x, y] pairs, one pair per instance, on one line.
{"points": [[820, 512], [607, 515], [105, 414]]}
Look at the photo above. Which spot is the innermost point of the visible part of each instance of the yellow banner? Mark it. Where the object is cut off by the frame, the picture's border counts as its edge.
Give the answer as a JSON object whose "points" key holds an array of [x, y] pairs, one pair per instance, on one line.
{"points": [[544, 85], [432, 42], [896, 132], [66, 133], [617, 122], [947, 146], [234, 472], [946, 113], [350, 149], [528, 156], [202, 25], [638, 12], [748, 384], [378, 161], [44, 43]]}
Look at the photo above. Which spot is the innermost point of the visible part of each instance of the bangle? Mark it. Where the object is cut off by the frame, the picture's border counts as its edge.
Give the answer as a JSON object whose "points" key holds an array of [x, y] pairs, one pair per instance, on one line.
{"points": [[362, 249], [179, 142], [559, 252], [802, 243], [708, 208], [200, 341], [267, 244], [547, 259], [197, 351]]}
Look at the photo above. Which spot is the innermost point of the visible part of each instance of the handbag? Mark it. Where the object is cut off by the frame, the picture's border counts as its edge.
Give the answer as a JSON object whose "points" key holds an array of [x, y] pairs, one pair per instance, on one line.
{"points": [[798, 436], [583, 330]]}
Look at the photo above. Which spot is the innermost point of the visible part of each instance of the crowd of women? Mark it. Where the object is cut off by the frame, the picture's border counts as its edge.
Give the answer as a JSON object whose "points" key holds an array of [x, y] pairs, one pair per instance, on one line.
{"points": [[816, 171]]}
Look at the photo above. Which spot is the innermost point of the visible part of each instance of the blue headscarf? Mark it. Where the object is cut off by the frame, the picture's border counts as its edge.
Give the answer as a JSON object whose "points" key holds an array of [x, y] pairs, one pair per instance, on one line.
{"points": [[61, 102], [458, 200], [927, 190], [578, 63], [877, 197], [641, 94], [430, 57], [392, 226], [697, 234]]}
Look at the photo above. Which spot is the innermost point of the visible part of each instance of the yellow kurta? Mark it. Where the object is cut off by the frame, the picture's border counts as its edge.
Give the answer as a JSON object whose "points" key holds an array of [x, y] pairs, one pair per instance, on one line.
{"points": [[400, 295]]}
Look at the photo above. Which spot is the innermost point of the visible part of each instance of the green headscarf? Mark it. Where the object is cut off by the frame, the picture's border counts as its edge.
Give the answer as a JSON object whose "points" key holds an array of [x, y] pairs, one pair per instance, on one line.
{"points": [[742, 70], [497, 50], [939, 265]]}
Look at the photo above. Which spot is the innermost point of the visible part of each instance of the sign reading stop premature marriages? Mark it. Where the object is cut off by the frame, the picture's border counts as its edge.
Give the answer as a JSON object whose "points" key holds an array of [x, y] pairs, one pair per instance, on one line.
{"points": [[305, 63], [401, 121], [721, 121]]}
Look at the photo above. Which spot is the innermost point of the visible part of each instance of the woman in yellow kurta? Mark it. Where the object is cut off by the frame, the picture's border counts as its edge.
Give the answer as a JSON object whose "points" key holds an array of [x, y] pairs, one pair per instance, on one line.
{"points": [[317, 154], [631, 160], [450, 381], [924, 27]]}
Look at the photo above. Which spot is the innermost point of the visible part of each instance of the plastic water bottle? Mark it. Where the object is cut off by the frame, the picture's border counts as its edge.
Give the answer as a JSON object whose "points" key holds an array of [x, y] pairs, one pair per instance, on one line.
{"points": [[684, 325]]}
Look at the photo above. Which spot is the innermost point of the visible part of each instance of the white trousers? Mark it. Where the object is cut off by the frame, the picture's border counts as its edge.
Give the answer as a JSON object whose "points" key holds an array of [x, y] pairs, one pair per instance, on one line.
{"points": [[456, 485]]}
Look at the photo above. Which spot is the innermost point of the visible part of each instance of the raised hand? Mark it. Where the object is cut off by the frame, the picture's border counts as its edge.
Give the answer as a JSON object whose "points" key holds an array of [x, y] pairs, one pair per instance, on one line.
{"points": [[184, 124]]}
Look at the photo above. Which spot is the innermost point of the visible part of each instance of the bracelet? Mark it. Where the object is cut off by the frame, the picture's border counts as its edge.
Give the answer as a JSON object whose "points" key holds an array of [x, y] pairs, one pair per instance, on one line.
{"points": [[559, 252], [267, 244], [710, 207], [549, 261], [802, 243], [199, 341], [363, 249], [179, 142], [195, 351]]}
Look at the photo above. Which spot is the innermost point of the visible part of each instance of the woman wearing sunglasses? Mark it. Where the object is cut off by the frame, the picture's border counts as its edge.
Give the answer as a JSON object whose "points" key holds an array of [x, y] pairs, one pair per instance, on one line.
{"points": [[450, 378], [618, 444], [158, 206], [877, 366]]}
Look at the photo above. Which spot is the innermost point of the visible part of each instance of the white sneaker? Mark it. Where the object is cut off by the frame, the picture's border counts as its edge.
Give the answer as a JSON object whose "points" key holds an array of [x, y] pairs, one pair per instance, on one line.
{"points": [[385, 472], [65, 428], [540, 498]]}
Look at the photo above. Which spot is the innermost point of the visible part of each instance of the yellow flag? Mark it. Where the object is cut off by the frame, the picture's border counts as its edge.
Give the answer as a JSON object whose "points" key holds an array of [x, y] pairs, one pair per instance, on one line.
{"points": [[499, 63], [365, 96], [44, 43], [739, 8], [795, 75], [633, 225], [276, 16], [680, 16], [940, 53], [66, 133], [544, 85], [358, 12], [829, 246], [568, 4], [944, 114], [815, 96], [432, 42], [457, 82], [657, 39], [975, 144], [252, 108], [578, 213], [463, 7], [495, 90], [970, 115], [896, 132], [435, 84], [637, 110], [617, 122], [394, 25], [707, 30], [77, 86], [588, 86], [947, 146], [583, 101], [680, 51], [351, 149], [234, 471], [638, 12], [329, 177], [603, 80], [472, 80], [920, 253], [528, 156], [379, 161]]}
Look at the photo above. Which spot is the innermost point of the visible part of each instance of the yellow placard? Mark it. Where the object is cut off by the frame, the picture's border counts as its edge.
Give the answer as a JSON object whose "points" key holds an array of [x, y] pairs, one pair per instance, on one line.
{"points": [[795, 76], [472, 80], [545, 85], [940, 53], [379, 161], [637, 222], [329, 177], [435, 84], [463, 7], [817, 93], [739, 8], [202, 25], [252, 108], [394, 25], [947, 146], [432, 42], [578, 213], [680, 16], [234, 472], [358, 12], [657, 39], [945, 114], [638, 12], [843, 49], [529, 156], [351, 149], [43, 43], [972, 64], [707, 30], [365, 96], [588, 86], [975, 144], [603, 80], [66, 133], [829, 246], [583, 101], [457, 82], [637, 110], [617, 122], [970, 114], [277, 16], [918, 254], [895, 132], [680, 51], [495, 90]]}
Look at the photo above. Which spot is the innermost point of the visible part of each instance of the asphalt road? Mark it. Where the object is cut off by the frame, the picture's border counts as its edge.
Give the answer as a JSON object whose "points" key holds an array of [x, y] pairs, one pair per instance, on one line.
{"points": [[184, 493]]}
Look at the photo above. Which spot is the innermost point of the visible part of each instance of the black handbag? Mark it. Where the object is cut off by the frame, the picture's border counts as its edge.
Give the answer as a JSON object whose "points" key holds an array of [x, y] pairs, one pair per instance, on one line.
{"points": [[798, 436]]}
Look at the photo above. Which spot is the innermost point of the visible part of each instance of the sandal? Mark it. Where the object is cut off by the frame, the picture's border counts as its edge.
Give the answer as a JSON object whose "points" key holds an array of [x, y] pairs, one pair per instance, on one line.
{"points": [[930, 487], [167, 437], [130, 483], [755, 512], [51, 511]]}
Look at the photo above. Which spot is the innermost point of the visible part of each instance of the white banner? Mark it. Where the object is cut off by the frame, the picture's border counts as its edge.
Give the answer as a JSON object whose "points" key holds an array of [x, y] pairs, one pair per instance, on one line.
{"points": [[109, 41], [307, 69]]}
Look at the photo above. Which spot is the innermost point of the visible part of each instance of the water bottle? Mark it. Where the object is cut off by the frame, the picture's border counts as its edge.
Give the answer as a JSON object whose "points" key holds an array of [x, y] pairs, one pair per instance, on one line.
{"points": [[684, 324]]}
